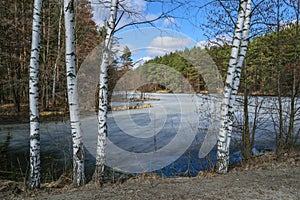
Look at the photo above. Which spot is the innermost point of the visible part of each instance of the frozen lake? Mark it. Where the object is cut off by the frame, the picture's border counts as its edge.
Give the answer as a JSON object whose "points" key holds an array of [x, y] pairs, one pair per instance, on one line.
{"points": [[165, 138]]}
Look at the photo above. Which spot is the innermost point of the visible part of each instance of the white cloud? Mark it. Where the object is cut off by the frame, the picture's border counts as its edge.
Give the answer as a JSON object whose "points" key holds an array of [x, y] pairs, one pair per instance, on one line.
{"points": [[168, 42], [161, 45], [138, 4], [218, 41], [156, 52], [141, 61], [101, 11], [203, 44], [169, 21], [120, 47], [151, 16]]}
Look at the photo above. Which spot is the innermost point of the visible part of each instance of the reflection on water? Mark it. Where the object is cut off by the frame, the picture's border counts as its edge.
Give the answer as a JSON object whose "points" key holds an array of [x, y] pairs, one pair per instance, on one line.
{"points": [[56, 141]]}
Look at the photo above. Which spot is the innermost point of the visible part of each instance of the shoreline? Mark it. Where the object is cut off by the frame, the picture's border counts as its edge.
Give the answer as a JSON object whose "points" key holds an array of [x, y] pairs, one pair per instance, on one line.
{"points": [[262, 177]]}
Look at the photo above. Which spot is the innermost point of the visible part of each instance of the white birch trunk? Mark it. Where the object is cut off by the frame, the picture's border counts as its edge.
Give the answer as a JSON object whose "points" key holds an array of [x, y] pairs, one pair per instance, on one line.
{"points": [[35, 164], [78, 151], [226, 114], [238, 70], [103, 94]]}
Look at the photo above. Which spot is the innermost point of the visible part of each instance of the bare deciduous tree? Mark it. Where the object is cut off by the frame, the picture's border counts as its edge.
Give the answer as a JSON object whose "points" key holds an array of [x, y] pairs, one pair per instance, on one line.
{"points": [[78, 151], [103, 93], [35, 163], [238, 53]]}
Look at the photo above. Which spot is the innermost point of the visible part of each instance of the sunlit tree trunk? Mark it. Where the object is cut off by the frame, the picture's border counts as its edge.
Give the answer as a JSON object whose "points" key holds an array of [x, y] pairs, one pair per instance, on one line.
{"points": [[246, 148], [46, 57], [295, 86], [78, 151], [238, 53], [280, 136], [58, 53], [35, 163], [15, 73], [240, 63], [103, 94]]}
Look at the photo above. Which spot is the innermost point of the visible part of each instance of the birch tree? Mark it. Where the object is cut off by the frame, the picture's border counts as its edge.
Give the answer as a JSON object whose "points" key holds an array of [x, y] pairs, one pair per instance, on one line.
{"points": [[78, 151], [35, 163], [103, 93], [135, 18], [238, 53]]}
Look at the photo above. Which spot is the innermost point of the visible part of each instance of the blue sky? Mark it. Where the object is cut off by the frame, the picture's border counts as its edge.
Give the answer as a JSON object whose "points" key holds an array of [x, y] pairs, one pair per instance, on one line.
{"points": [[151, 42], [182, 30], [170, 33]]}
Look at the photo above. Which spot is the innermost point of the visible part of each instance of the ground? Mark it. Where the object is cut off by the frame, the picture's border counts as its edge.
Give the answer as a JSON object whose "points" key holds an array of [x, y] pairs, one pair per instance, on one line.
{"points": [[264, 177]]}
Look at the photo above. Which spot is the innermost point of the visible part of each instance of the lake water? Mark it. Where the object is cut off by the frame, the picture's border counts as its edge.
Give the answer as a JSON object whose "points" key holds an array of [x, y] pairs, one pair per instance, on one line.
{"points": [[164, 139]]}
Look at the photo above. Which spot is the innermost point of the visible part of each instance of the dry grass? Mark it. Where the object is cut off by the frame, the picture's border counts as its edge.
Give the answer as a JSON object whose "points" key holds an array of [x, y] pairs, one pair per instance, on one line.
{"points": [[241, 180], [269, 161], [120, 108], [8, 114], [64, 180]]}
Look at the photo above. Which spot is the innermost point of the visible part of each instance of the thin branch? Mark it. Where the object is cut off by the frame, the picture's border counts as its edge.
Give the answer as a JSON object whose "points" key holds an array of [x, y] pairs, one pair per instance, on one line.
{"points": [[161, 16], [227, 11]]}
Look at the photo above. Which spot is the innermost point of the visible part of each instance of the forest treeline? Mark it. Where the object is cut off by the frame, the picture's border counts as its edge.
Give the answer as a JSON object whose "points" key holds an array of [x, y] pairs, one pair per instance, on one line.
{"points": [[15, 46], [260, 67], [265, 54]]}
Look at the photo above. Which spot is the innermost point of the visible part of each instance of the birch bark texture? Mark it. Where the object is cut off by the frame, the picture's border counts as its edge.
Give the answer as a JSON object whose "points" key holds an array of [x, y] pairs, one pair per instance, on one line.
{"points": [[238, 54], [78, 151], [35, 163], [103, 93]]}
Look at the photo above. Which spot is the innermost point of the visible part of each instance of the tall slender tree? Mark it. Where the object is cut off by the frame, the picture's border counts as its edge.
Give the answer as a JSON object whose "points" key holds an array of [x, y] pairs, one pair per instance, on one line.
{"points": [[58, 52], [103, 93], [238, 53], [35, 165], [241, 59], [78, 151], [295, 4], [278, 64]]}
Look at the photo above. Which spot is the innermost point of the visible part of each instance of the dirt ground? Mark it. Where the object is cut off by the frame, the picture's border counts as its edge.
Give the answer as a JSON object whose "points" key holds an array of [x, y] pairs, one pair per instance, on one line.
{"points": [[264, 177]]}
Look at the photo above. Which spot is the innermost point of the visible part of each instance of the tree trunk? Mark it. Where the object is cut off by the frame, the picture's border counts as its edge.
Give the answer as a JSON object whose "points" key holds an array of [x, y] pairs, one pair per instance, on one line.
{"points": [[78, 151], [289, 138], [246, 132], [255, 121], [238, 53], [35, 176], [103, 94], [280, 140], [58, 54], [15, 73], [238, 69]]}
